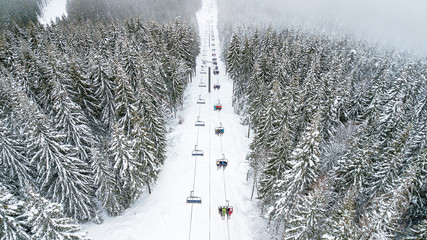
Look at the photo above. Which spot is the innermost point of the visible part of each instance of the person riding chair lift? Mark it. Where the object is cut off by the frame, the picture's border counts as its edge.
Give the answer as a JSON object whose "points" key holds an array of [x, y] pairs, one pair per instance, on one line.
{"points": [[222, 163], [219, 130], [216, 86], [225, 210], [218, 106]]}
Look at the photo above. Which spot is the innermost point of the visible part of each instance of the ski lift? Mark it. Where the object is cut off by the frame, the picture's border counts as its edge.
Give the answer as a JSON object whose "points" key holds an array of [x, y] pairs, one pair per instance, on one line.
{"points": [[215, 72], [213, 54], [200, 100], [203, 71], [193, 199], [197, 152], [202, 84], [222, 162], [225, 210], [199, 123], [216, 86], [219, 130], [218, 107]]}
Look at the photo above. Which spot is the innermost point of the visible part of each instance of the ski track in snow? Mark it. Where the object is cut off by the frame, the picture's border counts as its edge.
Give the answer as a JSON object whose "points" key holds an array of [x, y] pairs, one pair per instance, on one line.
{"points": [[164, 214]]}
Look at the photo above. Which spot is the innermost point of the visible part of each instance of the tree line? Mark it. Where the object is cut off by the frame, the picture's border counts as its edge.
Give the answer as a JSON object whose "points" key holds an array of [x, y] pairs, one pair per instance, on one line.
{"points": [[111, 10], [20, 12]]}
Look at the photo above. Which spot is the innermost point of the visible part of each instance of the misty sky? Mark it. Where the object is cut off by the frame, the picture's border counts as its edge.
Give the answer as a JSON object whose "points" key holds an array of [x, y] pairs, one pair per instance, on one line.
{"points": [[54, 8], [398, 23]]}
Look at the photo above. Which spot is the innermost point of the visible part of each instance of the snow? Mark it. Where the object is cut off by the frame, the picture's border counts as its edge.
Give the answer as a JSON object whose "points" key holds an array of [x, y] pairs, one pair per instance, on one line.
{"points": [[164, 214], [53, 9]]}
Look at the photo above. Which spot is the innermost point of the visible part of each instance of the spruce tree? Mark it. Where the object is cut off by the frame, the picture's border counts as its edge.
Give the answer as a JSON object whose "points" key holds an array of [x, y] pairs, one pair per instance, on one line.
{"points": [[257, 89], [301, 177], [107, 188], [145, 153], [152, 118], [130, 61], [124, 100], [305, 158], [15, 166], [393, 131], [104, 87], [247, 67], [81, 91], [12, 218], [68, 117], [61, 176], [173, 73], [418, 231], [151, 82], [47, 220], [384, 216], [233, 58], [341, 225], [306, 219], [125, 166], [274, 134]]}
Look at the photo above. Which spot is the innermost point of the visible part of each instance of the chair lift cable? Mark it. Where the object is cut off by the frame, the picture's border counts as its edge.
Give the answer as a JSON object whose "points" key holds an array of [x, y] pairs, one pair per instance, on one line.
{"points": [[209, 160], [194, 178], [223, 170], [191, 220], [225, 192]]}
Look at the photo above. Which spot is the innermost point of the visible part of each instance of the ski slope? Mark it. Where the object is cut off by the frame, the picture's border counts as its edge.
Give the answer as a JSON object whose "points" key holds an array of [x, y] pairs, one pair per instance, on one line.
{"points": [[164, 214]]}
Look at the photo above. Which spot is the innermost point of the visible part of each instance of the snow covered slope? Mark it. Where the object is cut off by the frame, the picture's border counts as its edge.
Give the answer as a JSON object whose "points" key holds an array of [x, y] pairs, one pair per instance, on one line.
{"points": [[165, 214]]}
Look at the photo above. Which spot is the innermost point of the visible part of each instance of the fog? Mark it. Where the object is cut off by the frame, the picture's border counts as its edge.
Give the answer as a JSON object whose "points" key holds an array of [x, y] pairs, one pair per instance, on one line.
{"points": [[53, 9], [396, 23]]}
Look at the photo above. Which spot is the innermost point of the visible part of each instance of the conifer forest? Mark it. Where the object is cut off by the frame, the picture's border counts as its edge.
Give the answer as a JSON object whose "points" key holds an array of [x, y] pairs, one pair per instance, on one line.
{"points": [[340, 130], [83, 104], [338, 125]]}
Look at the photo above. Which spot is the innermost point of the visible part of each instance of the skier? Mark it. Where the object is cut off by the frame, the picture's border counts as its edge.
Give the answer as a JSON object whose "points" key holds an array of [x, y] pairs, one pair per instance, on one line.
{"points": [[224, 212], [219, 131], [221, 212], [229, 211], [218, 107], [223, 164]]}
